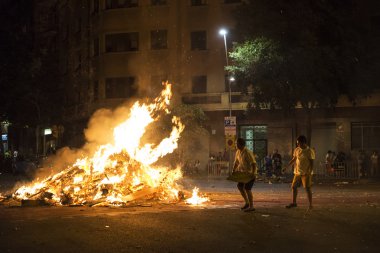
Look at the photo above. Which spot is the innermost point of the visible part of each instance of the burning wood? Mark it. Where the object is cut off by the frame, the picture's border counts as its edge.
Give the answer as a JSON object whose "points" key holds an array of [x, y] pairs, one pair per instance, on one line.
{"points": [[118, 172]]}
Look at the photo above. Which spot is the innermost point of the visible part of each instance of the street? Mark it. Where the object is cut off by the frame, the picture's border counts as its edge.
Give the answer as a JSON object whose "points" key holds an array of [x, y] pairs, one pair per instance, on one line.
{"points": [[345, 218]]}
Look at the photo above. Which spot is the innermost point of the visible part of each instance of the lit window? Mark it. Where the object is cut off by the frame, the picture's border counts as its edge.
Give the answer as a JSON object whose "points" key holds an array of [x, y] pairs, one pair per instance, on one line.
{"points": [[122, 42], [198, 40]]}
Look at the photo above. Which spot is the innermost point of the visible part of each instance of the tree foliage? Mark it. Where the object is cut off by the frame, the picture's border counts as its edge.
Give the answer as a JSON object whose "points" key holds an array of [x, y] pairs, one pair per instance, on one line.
{"points": [[309, 52]]}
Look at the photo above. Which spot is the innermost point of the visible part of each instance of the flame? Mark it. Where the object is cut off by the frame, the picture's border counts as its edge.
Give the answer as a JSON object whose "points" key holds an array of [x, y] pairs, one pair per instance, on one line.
{"points": [[195, 199], [122, 170]]}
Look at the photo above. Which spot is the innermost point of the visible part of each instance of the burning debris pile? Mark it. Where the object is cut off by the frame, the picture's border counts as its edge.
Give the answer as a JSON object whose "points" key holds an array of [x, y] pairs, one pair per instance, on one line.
{"points": [[121, 181], [121, 171]]}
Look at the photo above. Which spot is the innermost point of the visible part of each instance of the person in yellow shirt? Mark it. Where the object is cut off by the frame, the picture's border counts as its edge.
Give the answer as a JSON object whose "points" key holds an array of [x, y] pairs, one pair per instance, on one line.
{"points": [[245, 162], [303, 159]]}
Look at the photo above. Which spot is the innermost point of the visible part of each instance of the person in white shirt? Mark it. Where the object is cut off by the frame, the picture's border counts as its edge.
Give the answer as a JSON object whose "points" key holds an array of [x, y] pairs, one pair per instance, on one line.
{"points": [[303, 158], [245, 162]]}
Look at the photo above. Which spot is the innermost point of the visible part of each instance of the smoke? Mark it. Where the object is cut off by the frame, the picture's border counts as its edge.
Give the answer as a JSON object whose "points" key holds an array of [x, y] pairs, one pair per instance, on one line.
{"points": [[99, 132], [101, 125]]}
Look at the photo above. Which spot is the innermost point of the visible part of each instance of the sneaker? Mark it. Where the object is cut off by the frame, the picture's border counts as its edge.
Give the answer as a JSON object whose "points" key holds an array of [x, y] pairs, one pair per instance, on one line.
{"points": [[244, 207], [291, 205], [250, 209]]}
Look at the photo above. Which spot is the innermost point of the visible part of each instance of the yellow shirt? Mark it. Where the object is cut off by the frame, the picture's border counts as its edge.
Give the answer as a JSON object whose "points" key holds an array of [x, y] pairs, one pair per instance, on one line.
{"points": [[244, 160], [303, 161]]}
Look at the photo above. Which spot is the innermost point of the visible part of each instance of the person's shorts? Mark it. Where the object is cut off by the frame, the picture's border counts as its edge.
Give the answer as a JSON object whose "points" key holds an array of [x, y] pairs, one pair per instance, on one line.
{"points": [[247, 186], [305, 180]]}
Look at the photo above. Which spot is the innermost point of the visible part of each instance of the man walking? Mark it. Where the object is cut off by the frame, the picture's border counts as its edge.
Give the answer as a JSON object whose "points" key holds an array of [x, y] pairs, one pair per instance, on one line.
{"points": [[303, 158], [245, 162]]}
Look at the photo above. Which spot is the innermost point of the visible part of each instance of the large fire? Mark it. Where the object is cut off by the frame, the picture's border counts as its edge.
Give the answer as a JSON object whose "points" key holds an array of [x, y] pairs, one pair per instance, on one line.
{"points": [[120, 171]]}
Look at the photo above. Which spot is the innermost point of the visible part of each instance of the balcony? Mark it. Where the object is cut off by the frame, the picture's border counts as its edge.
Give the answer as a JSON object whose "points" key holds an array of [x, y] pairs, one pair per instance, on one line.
{"points": [[216, 101]]}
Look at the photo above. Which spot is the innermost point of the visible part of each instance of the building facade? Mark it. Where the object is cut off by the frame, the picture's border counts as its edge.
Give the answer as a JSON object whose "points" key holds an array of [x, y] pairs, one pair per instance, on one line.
{"points": [[113, 51], [116, 51]]}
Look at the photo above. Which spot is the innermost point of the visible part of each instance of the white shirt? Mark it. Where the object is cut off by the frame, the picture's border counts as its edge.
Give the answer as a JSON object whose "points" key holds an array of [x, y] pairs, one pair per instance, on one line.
{"points": [[244, 160], [303, 160]]}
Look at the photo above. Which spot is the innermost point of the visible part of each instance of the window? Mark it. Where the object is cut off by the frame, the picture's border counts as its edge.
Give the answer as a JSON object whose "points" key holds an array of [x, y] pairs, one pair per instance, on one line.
{"points": [[199, 84], [96, 90], [365, 135], [78, 25], [65, 32], [64, 64], [198, 2], [120, 87], [96, 6], [96, 47], [78, 97], [78, 61], [158, 2], [122, 42], [159, 39], [375, 24], [198, 40], [115, 4], [232, 1]]}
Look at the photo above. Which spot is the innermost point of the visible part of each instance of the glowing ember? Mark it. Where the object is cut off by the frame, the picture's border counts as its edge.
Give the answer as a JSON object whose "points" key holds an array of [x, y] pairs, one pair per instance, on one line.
{"points": [[195, 199], [120, 171]]}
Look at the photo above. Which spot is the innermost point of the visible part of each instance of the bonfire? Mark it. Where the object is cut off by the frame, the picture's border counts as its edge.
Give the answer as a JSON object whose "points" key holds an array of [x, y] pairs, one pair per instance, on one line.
{"points": [[121, 171]]}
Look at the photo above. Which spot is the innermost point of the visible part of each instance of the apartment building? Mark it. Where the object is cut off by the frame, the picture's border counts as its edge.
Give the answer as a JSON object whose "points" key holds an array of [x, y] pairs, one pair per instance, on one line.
{"points": [[113, 51]]}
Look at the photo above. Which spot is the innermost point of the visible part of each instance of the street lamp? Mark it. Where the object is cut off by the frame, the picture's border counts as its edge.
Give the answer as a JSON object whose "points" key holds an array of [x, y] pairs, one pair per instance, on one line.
{"points": [[224, 32]]}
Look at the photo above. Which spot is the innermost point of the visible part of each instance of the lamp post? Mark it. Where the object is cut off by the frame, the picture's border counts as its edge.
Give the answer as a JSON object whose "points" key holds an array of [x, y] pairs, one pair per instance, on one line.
{"points": [[230, 79]]}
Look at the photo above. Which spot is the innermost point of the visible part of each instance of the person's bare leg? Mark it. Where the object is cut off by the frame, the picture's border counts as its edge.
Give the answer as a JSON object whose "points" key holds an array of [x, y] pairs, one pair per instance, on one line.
{"points": [[295, 193], [244, 194], [309, 197], [250, 198]]}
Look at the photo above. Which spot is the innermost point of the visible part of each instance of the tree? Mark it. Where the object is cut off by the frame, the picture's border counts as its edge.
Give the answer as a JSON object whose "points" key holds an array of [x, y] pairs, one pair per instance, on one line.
{"points": [[190, 144], [306, 52]]}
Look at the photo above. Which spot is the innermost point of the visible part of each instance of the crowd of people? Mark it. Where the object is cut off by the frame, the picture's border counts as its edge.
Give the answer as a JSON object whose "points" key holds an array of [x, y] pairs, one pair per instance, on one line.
{"points": [[366, 165], [273, 164]]}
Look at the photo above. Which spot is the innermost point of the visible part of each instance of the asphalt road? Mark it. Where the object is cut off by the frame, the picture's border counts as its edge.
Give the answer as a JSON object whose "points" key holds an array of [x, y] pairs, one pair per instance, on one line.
{"points": [[346, 218]]}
